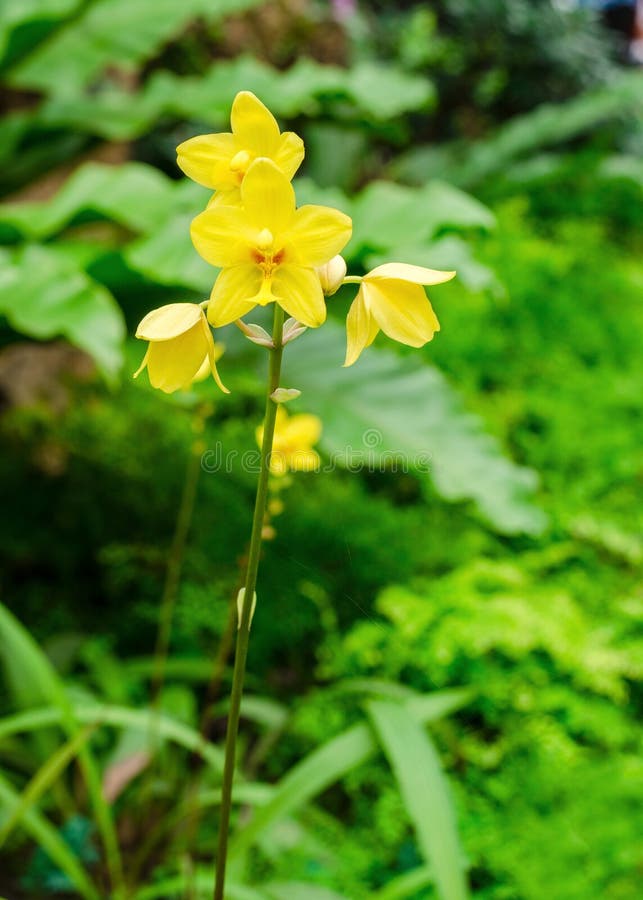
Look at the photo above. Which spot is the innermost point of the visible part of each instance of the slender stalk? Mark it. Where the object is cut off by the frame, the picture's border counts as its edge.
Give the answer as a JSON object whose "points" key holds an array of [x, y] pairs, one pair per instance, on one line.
{"points": [[175, 560], [243, 633]]}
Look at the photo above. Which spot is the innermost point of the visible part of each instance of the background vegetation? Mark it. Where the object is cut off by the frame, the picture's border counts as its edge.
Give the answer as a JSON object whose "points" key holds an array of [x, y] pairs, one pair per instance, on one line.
{"points": [[494, 598]]}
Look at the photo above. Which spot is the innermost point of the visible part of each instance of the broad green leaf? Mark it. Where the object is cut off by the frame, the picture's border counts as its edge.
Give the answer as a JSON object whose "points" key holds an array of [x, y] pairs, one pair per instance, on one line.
{"points": [[44, 295], [134, 195], [18, 13], [113, 32], [424, 790], [320, 769], [167, 256], [387, 215], [27, 666], [388, 409], [50, 841], [304, 89]]}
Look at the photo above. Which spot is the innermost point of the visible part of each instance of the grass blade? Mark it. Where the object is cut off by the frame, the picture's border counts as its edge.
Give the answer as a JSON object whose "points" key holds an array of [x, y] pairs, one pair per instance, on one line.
{"points": [[24, 659], [424, 789], [406, 885], [50, 841], [116, 717], [330, 762], [43, 779]]}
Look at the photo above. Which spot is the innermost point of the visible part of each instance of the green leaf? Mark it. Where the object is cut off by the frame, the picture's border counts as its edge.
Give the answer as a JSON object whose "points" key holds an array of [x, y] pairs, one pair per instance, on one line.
{"points": [[44, 295], [202, 882], [622, 166], [42, 781], [322, 768], [16, 14], [113, 32], [387, 215], [406, 885], [118, 717], [134, 195], [298, 890], [417, 768], [389, 408], [168, 257], [550, 124], [304, 89], [32, 675], [50, 841]]}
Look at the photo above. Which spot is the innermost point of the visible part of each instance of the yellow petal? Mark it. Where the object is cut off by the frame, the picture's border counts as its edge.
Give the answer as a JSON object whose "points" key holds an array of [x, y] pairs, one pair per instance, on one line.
{"points": [[206, 160], [226, 197], [173, 364], [268, 197], [204, 370], [143, 364], [303, 430], [253, 125], [234, 293], [303, 460], [406, 272], [317, 234], [281, 420], [361, 329], [298, 291], [278, 462], [290, 153], [401, 310], [212, 355], [169, 321], [222, 236]]}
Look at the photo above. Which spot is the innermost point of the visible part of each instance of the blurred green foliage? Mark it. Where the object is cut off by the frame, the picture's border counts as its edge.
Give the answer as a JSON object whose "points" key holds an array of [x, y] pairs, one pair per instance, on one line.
{"points": [[493, 597]]}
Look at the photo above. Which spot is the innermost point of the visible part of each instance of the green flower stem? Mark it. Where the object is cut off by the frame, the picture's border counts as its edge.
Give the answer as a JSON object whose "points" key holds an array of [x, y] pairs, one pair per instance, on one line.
{"points": [[175, 561], [243, 633], [352, 279]]}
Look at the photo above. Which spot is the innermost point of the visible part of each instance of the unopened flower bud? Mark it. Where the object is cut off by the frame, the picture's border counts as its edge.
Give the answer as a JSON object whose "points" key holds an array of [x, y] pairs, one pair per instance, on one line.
{"points": [[291, 330], [241, 596], [332, 274], [255, 333], [284, 395]]}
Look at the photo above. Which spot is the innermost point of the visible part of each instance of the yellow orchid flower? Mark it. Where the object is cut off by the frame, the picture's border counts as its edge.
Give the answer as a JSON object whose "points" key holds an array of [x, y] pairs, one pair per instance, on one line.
{"points": [[292, 448], [267, 249], [220, 161], [391, 298], [181, 347]]}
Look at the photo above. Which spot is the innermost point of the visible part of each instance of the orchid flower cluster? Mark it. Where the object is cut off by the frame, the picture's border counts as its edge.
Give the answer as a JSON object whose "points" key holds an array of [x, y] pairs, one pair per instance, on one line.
{"points": [[271, 251]]}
